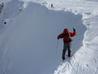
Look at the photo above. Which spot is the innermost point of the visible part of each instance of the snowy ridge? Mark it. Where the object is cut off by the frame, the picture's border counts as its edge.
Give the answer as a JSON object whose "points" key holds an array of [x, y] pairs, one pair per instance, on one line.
{"points": [[85, 59], [86, 8], [77, 6]]}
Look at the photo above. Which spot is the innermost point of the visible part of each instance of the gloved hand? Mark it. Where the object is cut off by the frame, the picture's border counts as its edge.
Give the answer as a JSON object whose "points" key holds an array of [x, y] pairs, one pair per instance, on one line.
{"points": [[58, 38], [74, 29]]}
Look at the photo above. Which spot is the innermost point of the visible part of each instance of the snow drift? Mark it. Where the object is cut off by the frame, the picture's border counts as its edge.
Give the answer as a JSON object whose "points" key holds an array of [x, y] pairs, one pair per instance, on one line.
{"points": [[84, 61]]}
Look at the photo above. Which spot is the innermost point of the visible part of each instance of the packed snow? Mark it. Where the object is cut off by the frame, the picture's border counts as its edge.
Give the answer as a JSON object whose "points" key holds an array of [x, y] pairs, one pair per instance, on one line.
{"points": [[84, 61]]}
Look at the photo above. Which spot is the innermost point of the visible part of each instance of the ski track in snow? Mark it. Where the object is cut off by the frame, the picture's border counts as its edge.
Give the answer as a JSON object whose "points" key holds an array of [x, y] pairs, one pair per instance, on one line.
{"points": [[85, 59]]}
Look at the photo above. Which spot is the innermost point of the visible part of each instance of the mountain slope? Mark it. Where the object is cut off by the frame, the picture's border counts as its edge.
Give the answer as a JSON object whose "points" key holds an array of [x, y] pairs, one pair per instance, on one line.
{"points": [[16, 37]]}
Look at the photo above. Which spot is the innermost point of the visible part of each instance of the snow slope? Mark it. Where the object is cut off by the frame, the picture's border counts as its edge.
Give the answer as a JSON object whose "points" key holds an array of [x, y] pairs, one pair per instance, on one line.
{"points": [[27, 39], [85, 59]]}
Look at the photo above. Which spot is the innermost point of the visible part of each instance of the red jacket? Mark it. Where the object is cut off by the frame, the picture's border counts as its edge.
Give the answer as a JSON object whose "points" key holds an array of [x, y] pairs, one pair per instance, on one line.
{"points": [[66, 35]]}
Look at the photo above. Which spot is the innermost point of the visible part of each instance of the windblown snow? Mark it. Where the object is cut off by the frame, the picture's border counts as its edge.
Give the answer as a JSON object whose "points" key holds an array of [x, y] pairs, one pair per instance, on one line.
{"points": [[85, 60]]}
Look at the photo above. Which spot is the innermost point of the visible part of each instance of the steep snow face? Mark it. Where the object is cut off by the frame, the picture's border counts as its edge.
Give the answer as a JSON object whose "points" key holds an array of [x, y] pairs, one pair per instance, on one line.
{"points": [[26, 44], [85, 60]]}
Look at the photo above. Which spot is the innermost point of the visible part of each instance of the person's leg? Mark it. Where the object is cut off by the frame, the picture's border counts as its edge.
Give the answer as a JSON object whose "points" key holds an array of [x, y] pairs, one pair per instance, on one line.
{"points": [[64, 51], [69, 51]]}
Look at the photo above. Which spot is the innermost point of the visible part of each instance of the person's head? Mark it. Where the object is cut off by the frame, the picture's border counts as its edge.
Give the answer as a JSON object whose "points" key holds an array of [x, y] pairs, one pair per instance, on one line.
{"points": [[65, 30]]}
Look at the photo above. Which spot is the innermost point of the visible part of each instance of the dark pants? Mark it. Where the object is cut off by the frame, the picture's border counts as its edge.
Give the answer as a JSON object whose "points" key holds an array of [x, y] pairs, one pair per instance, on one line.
{"points": [[65, 48]]}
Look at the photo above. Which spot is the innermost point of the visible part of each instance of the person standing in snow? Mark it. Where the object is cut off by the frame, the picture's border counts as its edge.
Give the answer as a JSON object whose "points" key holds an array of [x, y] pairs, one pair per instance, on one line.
{"points": [[52, 6], [66, 36]]}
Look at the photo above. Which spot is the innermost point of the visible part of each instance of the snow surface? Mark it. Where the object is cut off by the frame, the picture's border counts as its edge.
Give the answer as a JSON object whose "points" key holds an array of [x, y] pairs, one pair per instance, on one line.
{"points": [[24, 45], [84, 61]]}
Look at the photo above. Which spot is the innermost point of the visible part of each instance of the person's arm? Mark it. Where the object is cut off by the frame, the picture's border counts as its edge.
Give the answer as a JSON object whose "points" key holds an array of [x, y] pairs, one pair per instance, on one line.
{"points": [[60, 36], [72, 34]]}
